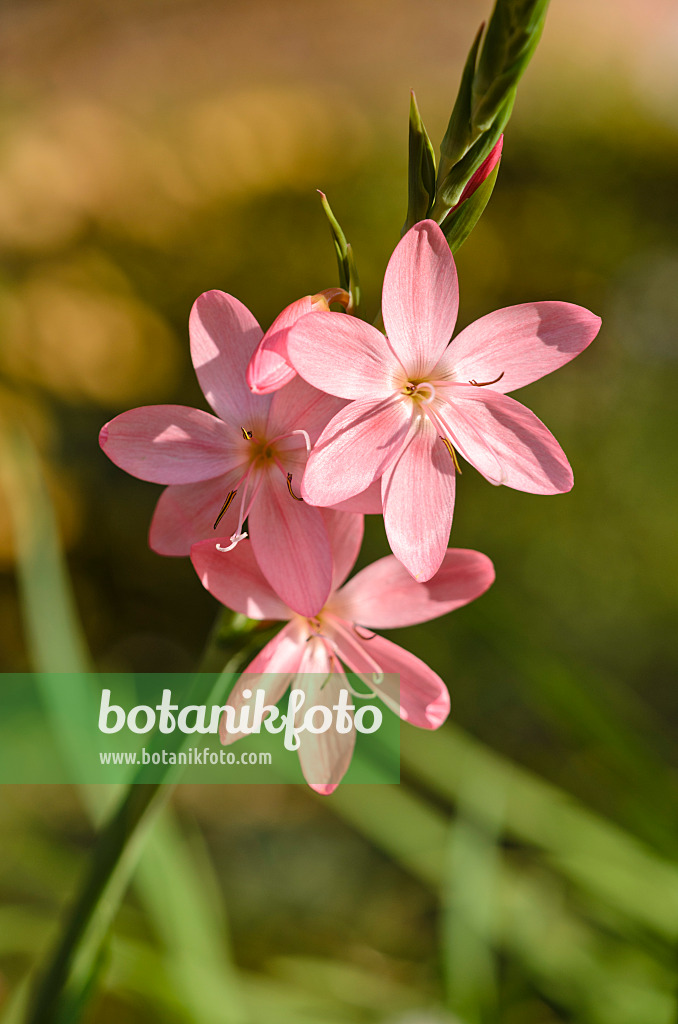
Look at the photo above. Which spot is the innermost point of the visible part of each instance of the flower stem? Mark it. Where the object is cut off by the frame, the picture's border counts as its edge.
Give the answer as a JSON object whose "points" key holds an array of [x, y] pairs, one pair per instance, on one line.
{"points": [[70, 972]]}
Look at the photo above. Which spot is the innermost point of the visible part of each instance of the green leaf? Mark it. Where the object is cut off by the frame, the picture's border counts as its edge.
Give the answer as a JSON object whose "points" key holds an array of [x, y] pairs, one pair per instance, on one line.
{"points": [[458, 136], [459, 223], [609, 864], [486, 96], [348, 274], [450, 190], [565, 957], [470, 882], [56, 644], [421, 170], [512, 35]]}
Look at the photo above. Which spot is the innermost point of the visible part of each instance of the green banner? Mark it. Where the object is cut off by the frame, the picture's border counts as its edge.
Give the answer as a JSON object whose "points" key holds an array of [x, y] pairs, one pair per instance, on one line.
{"points": [[115, 729]]}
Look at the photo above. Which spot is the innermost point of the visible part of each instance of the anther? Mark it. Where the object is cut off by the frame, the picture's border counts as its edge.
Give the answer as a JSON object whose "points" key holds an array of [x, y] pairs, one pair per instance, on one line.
{"points": [[247, 434], [486, 383], [289, 488], [224, 508], [452, 453]]}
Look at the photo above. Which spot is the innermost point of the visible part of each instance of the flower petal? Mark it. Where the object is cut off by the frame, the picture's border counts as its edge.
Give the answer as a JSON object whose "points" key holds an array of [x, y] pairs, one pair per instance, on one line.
{"points": [[367, 503], [529, 455], [325, 756], [417, 694], [468, 439], [273, 685], [523, 343], [235, 579], [224, 335], [186, 513], [269, 368], [299, 406], [384, 595], [420, 298], [343, 356], [271, 671], [353, 450], [291, 545], [170, 444], [418, 495], [345, 531]]}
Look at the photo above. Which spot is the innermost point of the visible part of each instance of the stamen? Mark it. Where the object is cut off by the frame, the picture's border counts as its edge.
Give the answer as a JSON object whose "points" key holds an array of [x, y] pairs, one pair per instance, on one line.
{"points": [[377, 673], [430, 392], [452, 453], [486, 383], [289, 488], [423, 391], [245, 506], [224, 508], [235, 540], [291, 433], [247, 434]]}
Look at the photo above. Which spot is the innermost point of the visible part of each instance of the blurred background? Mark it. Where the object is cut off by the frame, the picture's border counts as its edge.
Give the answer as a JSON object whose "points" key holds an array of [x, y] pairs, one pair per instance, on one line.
{"points": [[526, 870]]}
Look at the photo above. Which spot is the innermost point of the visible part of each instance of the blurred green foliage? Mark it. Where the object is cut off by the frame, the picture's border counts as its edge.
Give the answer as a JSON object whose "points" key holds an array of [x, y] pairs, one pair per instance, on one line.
{"points": [[152, 151]]}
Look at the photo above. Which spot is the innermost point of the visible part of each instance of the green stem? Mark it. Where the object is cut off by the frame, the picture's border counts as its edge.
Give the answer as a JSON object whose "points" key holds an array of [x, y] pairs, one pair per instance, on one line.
{"points": [[118, 846], [112, 865]]}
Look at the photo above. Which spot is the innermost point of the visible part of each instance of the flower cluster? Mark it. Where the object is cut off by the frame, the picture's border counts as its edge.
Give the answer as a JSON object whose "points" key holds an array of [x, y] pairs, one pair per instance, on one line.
{"points": [[323, 419]]}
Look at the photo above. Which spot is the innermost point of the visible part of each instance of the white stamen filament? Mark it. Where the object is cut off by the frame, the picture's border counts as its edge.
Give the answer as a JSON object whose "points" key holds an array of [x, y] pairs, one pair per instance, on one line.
{"points": [[335, 662], [245, 508], [378, 675], [292, 433], [428, 391]]}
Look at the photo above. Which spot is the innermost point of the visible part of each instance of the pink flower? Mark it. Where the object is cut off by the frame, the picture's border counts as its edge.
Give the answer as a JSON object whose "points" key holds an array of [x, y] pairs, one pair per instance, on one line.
{"points": [[382, 596], [417, 399], [269, 368], [248, 460]]}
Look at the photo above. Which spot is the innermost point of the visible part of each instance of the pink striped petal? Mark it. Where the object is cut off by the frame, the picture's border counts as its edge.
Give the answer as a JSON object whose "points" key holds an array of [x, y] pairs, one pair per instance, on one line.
{"points": [[367, 503], [271, 671], [424, 698], [529, 455], [235, 579], [186, 513], [522, 342], [468, 439], [283, 653], [269, 368], [326, 756], [299, 406], [418, 495], [344, 356], [171, 444], [420, 298], [384, 595], [291, 545], [416, 693], [273, 686], [345, 531], [224, 335], [354, 450]]}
